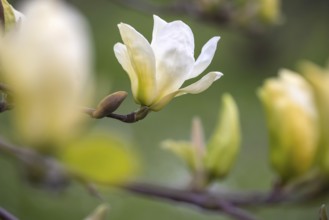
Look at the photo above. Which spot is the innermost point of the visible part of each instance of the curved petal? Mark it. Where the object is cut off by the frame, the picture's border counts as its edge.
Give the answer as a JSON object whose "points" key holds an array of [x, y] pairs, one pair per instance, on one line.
{"points": [[194, 88], [205, 58], [201, 85], [173, 48], [121, 53], [143, 62], [158, 25]]}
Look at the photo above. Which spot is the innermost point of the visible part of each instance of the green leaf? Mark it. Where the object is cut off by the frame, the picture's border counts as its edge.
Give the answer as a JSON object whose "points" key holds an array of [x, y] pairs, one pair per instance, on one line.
{"points": [[102, 159], [224, 144]]}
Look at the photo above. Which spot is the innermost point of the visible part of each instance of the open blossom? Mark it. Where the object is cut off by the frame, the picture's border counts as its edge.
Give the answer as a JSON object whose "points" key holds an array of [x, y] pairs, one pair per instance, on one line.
{"points": [[157, 70], [46, 62]]}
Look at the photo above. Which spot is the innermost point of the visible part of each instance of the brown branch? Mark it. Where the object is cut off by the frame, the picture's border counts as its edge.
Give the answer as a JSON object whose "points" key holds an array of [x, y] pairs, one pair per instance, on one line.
{"points": [[225, 15], [5, 215], [128, 118], [230, 203]]}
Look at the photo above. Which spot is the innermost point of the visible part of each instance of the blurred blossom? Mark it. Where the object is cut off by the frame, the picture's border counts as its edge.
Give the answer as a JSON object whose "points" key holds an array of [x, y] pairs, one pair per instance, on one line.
{"points": [[319, 79], [9, 15], [292, 123], [47, 62], [270, 10], [213, 159], [158, 70]]}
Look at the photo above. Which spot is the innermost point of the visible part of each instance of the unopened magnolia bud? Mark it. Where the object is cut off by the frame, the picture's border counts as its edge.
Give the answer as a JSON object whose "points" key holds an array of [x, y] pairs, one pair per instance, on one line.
{"points": [[318, 77], [292, 123], [109, 104]]}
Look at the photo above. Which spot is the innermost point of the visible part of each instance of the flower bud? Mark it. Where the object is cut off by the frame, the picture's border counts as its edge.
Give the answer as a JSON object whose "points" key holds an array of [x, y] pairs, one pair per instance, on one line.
{"points": [[109, 104], [224, 144], [319, 81], [292, 123]]}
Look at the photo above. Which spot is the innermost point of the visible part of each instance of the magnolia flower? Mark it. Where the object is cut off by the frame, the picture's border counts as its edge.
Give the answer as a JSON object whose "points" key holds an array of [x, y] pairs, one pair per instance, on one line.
{"points": [[47, 63], [292, 122], [158, 70]]}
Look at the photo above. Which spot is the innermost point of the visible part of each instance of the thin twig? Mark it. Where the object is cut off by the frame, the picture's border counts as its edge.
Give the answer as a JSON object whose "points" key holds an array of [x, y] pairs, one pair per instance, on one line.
{"points": [[5, 215], [229, 203]]}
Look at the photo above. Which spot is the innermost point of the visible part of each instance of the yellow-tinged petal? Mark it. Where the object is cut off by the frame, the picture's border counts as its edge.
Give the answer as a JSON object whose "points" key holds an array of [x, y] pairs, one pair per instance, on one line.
{"points": [[122, 55], [205, 58], [224, 143], [9, 15], [143, 62], [201, 85], [101, 158], [173, 48]]}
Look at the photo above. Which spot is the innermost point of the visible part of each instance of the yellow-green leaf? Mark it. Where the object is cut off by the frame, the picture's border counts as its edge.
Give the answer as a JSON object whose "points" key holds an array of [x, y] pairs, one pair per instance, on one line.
{"points": [[102, 159], [224, 144]]}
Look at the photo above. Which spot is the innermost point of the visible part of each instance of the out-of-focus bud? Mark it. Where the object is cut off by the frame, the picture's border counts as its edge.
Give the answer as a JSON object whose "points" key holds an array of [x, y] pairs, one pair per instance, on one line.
{"points": [[224, 144], [47, 63], [270, 11], [319, 79], [100, 213], [109, 104], [209, 5], [9, 16], [292, 123]]}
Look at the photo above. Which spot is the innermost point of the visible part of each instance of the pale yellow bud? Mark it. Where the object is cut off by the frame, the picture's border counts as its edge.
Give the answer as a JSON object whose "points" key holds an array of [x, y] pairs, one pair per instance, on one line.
{"points": [[292, 124], [319, 79]]}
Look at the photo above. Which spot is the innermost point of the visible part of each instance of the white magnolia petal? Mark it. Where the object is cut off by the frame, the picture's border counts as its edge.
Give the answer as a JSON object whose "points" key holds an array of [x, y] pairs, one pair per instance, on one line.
{"points": [[201, 85], [205, 58], [159, 23], [121, 53], [142, 60], [173, 48], [18, 15]]}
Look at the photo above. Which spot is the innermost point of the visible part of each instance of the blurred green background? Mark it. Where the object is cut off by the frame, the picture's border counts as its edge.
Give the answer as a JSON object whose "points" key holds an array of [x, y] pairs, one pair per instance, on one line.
{"points": [[245, 61]]}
